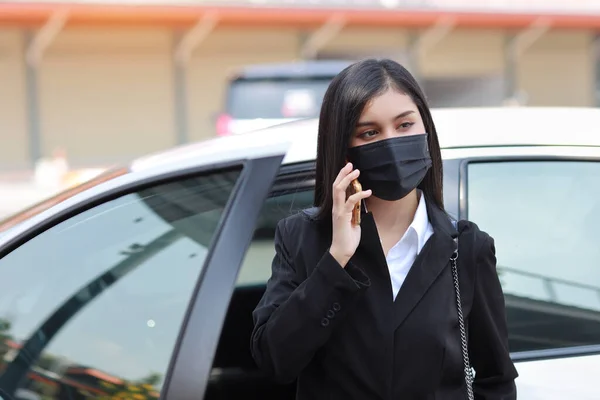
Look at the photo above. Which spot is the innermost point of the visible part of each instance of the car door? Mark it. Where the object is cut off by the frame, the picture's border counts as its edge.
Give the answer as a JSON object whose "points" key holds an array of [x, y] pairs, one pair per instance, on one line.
{"points": [[542, 206], [122, 294]]}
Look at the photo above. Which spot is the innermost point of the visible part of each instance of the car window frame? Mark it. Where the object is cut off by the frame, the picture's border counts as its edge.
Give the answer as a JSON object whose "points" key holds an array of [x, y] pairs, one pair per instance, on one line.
{"points": [[527, 355], [228, 246]]}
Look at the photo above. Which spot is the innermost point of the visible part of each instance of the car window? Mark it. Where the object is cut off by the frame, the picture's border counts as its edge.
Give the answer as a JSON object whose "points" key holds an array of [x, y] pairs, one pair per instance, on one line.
{"points": [[256, 268], [544, 216], [92, 307], [279, 98]]}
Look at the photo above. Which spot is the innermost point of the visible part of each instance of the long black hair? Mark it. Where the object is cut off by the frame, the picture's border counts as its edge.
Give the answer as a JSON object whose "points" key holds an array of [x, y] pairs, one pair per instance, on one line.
{"points": [[343, 104]]}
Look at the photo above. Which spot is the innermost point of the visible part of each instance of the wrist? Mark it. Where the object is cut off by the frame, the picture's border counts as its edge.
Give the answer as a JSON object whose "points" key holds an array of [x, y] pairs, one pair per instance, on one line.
{"points": [[340, 257]]}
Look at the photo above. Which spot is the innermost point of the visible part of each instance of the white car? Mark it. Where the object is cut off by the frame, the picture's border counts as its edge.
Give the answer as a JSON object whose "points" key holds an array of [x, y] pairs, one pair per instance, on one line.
{"points": [[144, 279]]}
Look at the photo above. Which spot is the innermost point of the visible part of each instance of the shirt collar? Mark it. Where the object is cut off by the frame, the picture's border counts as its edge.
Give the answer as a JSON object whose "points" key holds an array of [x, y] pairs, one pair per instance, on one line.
{"points": [[420, 221]]}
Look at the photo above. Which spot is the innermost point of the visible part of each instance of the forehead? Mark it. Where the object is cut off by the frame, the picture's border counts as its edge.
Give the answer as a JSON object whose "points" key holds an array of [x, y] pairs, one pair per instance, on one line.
{"points": [[392, 100]]}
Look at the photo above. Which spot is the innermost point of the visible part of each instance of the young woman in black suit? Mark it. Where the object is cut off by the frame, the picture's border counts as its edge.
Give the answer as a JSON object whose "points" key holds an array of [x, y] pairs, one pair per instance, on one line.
{"points": [[370, 310]]}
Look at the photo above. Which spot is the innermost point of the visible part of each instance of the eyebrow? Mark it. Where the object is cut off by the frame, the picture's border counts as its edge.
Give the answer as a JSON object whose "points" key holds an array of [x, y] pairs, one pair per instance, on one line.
{"points": [[401, 115]]}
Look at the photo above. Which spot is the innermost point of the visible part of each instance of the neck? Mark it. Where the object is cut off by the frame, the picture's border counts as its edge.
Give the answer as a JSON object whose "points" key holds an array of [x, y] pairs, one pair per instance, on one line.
{"points": [[394, 215]]}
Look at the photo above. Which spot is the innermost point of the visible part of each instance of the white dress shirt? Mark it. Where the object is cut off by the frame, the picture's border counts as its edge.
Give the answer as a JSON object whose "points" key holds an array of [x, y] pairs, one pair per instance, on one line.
{"points": [[401, 257]]}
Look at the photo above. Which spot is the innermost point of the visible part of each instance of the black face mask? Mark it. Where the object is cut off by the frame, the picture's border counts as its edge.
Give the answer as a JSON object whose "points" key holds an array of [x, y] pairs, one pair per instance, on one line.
{"points": [[392, 168]]}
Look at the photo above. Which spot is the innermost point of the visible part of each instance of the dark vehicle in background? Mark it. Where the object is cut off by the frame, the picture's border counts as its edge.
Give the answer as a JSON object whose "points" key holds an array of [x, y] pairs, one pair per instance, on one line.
{"points": [[260, 96], [142, 283]]}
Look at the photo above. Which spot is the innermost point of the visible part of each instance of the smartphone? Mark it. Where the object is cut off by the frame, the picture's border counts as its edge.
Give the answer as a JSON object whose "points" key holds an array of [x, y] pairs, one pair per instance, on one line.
{"points": [[355, 187]]}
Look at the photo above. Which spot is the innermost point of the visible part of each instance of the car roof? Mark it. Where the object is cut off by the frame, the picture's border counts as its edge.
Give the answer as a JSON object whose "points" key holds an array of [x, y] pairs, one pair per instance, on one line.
{"points": [[301, 69], [517, 126], [457, 128]]}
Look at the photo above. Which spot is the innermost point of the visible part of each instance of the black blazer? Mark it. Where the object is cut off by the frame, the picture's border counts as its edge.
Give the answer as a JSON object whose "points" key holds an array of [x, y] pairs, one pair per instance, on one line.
{"points": [[341, 334]]}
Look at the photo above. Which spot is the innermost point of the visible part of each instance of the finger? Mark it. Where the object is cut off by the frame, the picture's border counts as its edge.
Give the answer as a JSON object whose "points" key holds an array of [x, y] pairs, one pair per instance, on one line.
{"points": [[345, 182], [343, 172], [355, 198], [339, 191]]}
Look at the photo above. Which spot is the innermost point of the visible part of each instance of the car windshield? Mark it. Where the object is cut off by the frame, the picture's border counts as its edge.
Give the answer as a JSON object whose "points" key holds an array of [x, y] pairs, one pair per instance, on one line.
{"points": [[277, 98], [42, 206]]}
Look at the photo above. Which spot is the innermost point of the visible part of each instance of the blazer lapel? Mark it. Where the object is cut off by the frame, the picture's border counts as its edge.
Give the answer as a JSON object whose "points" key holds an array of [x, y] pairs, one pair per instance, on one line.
{"points": [[429, 264], [370, 251]]}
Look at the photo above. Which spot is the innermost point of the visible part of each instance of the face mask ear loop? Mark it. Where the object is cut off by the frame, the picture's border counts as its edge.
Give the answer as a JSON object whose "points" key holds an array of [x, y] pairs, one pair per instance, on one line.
{"points": [[364, 206]]}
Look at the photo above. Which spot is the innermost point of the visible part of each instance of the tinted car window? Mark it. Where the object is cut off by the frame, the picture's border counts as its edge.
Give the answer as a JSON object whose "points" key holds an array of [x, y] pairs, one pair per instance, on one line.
{"points": [[256, 268], [92, 307], [544, 216], [276, 98]]}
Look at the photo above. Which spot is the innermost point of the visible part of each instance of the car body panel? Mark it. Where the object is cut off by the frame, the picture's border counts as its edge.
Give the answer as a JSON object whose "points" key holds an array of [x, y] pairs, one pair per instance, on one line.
{"points": [[559, 378], [243, 126]]}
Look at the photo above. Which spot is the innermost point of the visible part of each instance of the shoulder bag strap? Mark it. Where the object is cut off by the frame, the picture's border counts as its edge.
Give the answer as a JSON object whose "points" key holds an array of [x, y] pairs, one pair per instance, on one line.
{"points": [[461, 321]]}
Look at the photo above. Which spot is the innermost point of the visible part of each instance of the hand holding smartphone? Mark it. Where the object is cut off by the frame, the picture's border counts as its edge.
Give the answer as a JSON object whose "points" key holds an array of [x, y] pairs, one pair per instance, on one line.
{"points": [[355, 187], [347, 198]]}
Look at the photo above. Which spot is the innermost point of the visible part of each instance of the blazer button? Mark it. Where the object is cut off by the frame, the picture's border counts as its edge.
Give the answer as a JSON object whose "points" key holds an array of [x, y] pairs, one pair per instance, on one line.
{"points": [[325, 322], [330, 314], [336, 307]]}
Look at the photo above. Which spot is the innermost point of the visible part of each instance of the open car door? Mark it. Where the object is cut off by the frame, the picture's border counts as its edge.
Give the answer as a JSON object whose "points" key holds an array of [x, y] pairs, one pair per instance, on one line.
{"points": [[123, 290]]}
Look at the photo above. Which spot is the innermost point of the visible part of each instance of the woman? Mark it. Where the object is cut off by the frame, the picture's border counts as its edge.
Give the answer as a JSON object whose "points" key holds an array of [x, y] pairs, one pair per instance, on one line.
{"points": [[369, 311]]}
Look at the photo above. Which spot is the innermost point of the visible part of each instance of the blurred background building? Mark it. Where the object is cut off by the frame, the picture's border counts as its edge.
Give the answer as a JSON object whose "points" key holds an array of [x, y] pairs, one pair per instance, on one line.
{"points": [[100, 82]]}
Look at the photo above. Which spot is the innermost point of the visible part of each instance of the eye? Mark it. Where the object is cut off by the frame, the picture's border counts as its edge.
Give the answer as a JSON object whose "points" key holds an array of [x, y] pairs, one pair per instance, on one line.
{"points": [[367, 134], [406, 125]]}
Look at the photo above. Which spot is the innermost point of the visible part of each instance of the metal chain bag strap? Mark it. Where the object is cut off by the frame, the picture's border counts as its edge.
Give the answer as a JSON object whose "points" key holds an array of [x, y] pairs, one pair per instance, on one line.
{"points": [[461, 322]]}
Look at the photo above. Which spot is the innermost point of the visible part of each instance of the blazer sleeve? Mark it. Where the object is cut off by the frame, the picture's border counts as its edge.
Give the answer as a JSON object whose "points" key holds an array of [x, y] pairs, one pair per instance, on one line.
{"points": [[495, 372], [296, 317]]}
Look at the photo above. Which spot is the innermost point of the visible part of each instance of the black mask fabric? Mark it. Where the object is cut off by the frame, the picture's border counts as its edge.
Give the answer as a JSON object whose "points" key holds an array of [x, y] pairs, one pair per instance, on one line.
{"points": [[392, 168]]}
